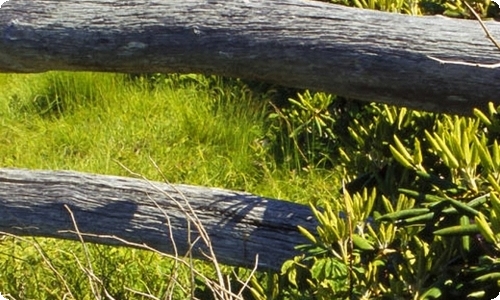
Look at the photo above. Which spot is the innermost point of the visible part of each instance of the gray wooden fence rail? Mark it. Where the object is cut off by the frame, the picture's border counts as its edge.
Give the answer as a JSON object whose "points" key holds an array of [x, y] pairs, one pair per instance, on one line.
{"points": [[363, 54], [112, 209]]}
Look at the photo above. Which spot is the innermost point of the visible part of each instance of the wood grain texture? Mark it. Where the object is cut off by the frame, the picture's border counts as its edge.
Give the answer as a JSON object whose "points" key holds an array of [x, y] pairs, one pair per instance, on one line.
{"points": [[362, 54], [239, 224]]}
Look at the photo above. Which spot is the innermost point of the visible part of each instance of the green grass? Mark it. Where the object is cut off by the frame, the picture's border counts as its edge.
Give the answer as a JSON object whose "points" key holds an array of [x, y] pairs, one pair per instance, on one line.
{"points": [[198, 130], [88, 120], [196, 134]]}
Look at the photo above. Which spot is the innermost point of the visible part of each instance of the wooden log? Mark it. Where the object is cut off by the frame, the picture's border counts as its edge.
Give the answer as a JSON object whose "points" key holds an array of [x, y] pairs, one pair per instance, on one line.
{"points": [[361, 54], [240, 225]]}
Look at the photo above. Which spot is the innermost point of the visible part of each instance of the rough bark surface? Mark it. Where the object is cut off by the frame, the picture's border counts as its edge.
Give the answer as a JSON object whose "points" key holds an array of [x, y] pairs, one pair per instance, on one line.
{"points": [[239, 224], [361, 54]]}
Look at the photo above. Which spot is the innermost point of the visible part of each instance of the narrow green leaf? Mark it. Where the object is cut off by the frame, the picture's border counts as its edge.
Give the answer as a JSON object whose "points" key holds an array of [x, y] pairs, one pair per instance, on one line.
{"points": [[485, 228], [481, 116], [479, 200], [388, 114], [433, 292], [495, 202], [401, 158], [496, 156], [452, 160], [403, 112], [417, 153], [460, 206], [454, 140], [473, 203], [344, 155], [423, 219], [494, 276], [387, 204], [433, 142], [307, 234], [402, 214], [362, 243], [478, 295], [458, 230], [494, 183], [401, 148], [484, 154], [421, 196], [495, 222], [356, 137], [492, 109], [464, 222]]}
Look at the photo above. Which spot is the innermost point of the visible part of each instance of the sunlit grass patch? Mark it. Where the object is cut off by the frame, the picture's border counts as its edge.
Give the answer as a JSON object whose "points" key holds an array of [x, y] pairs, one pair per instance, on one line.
{"points": [[189, 130]]}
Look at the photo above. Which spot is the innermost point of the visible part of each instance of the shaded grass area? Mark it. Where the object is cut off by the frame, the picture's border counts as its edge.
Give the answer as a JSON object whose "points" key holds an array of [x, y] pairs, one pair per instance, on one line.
{"points": [[199, 130]]}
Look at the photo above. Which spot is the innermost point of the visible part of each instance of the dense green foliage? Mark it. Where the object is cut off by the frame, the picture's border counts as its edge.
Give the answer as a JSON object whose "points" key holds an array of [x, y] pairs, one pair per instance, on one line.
{"points": [[421, 224]]}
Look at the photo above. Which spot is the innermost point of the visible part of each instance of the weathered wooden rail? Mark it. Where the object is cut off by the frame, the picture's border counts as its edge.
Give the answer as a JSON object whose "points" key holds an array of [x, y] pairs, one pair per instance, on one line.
{"points": [[362, 54], [240, 225]]}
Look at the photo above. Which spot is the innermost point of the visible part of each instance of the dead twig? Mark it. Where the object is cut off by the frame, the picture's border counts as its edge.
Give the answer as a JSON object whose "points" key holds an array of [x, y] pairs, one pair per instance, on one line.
{"points": [[220, 288], [488, 33], [89, 271]]}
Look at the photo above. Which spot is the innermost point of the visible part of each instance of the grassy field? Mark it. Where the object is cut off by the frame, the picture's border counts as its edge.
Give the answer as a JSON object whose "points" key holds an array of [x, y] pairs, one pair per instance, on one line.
{"points": [[199, 130]]}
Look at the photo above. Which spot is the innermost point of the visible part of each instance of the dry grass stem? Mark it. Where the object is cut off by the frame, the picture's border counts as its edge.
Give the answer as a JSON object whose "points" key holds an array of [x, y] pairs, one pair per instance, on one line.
{"points": [[488, 33], [89, 271], [221, 290], [141, 293]]}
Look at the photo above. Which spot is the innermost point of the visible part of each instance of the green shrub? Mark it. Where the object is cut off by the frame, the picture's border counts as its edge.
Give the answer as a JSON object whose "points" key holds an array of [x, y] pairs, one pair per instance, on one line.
{"points": [[300, 133], [438, 239]]}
